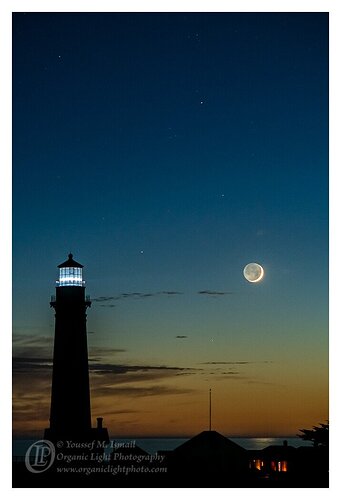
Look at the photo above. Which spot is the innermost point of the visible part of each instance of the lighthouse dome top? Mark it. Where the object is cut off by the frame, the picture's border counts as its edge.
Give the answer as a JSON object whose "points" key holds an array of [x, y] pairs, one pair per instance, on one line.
{"points": [[70, 262]]}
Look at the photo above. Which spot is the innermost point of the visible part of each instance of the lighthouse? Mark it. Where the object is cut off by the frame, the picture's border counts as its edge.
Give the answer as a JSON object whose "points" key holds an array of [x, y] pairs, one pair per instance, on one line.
{"points": [[70, 415]]}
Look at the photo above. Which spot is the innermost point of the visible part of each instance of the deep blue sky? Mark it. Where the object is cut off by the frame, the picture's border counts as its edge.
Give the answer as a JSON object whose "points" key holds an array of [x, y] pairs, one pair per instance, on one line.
{"points": [[166, 151]]}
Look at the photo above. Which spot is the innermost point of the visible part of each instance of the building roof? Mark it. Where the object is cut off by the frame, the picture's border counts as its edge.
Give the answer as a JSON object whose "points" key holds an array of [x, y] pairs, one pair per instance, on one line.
{"points": [[209, 443], [277, 451], [70, 262]]}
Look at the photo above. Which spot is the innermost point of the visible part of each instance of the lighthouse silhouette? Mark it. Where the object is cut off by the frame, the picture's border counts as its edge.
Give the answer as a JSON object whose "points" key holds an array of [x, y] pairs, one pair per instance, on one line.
{"points": [[70, 415]]}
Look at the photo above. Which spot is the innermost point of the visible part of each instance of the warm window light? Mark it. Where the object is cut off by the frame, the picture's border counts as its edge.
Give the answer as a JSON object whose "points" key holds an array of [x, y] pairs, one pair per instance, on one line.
{"points": [[258, 464], [284, 466]]}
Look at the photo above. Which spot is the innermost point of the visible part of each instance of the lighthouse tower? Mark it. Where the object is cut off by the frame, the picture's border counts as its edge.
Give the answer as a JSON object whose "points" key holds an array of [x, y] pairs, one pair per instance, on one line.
{"points": [[70, 416]]}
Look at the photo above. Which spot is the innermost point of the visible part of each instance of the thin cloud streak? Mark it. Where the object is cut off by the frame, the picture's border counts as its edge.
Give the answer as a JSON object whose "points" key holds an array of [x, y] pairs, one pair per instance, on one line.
{"points": [[143, 391], [233, 362], [214, 293], [135, 295]]}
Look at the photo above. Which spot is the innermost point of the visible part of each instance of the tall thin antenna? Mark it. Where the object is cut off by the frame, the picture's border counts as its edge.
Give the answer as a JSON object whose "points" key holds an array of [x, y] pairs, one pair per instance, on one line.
{"points": [[209, 409]]}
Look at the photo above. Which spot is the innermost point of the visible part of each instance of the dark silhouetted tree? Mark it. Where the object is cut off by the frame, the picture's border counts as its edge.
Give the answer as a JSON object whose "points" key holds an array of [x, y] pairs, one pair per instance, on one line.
{"points": [[319, 435]]}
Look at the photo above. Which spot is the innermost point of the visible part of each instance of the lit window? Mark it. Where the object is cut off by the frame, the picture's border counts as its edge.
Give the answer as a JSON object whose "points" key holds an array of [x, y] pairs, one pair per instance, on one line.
{"points": [[258, 464], [282, 466]]}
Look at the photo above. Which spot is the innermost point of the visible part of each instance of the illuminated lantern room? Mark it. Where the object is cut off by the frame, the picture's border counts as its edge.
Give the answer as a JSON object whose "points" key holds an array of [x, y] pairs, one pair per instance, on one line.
{"points": [[70, 273]]}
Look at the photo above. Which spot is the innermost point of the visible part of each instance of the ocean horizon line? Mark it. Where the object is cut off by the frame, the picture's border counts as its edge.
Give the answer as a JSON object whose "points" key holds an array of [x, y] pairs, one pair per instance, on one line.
{"points": [[189, 436]]}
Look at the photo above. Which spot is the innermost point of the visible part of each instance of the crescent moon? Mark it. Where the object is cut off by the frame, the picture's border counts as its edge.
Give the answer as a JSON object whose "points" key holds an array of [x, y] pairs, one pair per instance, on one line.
{"points": [[253, 272]]}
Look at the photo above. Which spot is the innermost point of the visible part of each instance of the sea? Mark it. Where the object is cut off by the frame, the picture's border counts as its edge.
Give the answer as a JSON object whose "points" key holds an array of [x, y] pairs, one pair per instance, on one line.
{"points": [[152, 445]]}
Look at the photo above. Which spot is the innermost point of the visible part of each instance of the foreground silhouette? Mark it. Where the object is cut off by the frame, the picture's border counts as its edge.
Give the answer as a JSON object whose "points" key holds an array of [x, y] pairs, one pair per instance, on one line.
{"points": [[207, 460]]}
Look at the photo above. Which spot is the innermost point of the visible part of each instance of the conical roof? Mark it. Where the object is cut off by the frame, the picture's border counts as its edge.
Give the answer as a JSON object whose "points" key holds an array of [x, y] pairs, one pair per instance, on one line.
{"points": [[70, 262], [209, 443]]}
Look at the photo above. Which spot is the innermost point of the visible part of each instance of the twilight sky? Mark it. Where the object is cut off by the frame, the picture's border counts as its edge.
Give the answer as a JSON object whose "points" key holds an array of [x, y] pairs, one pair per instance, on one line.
{"points": [[167, 151]]}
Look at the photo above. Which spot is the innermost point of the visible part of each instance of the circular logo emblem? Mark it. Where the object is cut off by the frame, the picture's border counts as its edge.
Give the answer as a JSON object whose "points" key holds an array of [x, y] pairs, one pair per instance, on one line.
{"points": [[40, 456]]}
